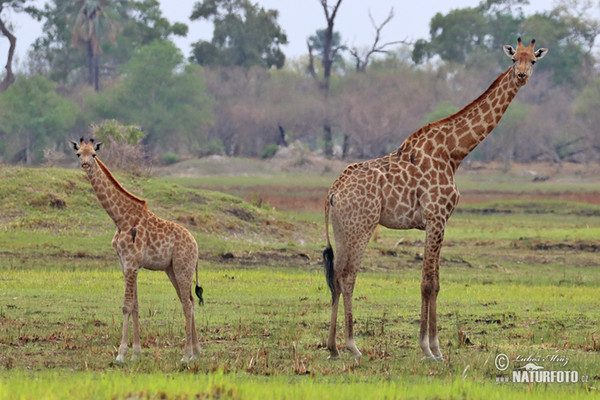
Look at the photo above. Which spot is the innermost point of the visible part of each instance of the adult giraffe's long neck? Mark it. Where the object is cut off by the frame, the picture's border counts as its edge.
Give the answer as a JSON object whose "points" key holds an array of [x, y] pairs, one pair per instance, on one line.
{"points": [[473, 123], [122, 206], [458, 134]]}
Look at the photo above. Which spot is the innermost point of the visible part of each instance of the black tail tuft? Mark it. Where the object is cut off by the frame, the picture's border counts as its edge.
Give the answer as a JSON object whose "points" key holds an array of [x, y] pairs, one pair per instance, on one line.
{"points": [[199, 292], [328, 265]]}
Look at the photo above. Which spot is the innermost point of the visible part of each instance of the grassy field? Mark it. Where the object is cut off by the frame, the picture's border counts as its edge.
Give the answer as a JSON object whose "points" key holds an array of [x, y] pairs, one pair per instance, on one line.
{"points": [[519, 277]]}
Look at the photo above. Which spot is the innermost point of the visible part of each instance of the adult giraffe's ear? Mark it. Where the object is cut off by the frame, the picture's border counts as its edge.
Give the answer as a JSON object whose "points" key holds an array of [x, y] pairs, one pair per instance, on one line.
{"points": [[541, 53], [97, 146], [75, 145], [508, 49]]}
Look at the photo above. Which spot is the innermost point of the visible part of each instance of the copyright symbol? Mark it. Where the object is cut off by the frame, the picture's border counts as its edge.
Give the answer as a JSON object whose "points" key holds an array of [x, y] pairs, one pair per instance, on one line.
{"points": [[501, 362]]}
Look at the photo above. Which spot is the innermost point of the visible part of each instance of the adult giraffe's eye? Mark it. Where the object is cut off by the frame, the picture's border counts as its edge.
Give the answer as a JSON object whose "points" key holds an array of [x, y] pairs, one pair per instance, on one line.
{"points": [[533, 62], [78, 155], [93, 155]]}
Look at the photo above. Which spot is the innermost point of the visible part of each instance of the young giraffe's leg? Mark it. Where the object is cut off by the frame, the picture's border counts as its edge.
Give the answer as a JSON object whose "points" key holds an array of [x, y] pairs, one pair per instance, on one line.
{"points": [[430, 287], [181, 278], [135, 314], [130, 277]]}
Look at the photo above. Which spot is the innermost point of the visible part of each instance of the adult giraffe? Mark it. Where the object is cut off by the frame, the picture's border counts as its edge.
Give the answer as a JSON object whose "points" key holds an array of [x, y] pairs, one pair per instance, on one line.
{"points": [[412, 188], [144, 240]]}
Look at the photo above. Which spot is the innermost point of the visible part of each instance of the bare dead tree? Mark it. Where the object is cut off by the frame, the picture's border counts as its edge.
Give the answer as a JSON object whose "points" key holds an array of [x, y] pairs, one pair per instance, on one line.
{"points": [[329, 55], [9, 79], [362, 60]]}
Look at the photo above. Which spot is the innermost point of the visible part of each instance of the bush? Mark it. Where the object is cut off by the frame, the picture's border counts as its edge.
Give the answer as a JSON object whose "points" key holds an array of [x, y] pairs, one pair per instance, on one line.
{"points": [[170, 158], [269, 151]]}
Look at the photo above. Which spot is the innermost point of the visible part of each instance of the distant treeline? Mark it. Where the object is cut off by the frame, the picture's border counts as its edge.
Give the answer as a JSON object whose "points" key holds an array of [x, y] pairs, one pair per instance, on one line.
{"points": [[230, 97]]}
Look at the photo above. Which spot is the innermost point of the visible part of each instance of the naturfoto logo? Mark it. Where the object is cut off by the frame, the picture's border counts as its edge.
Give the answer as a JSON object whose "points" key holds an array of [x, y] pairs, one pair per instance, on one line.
{"points": [[535, 369]]}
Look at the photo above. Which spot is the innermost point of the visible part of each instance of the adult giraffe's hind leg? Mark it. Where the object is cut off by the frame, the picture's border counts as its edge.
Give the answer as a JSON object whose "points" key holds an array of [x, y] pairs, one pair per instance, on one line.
{"points": [[346, 270]]}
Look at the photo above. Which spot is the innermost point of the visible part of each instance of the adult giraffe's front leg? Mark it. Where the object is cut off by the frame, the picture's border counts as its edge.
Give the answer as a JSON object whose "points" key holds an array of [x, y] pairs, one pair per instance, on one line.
{"points": [[430, 287]]}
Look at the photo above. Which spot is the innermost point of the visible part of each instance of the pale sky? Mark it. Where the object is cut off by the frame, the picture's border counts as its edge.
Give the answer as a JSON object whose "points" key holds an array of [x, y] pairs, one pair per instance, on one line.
{"points": [[299, 19]]}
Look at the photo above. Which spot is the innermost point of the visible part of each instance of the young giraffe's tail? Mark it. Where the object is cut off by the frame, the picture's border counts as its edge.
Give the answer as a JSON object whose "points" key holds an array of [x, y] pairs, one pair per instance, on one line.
{"points": [[328, 252], [199, 289]]}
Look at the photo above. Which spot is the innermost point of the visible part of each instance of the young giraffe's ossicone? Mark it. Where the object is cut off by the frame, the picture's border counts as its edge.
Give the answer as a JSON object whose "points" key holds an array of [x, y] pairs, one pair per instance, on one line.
{"points": [[412, 188], [144, 240]]}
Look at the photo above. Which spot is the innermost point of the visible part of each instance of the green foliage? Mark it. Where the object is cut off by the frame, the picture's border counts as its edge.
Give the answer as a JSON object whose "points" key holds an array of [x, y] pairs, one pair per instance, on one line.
{"points": [[112, 129], [33, 116], [166, 98], [170, 158], [442, 110], [317, 43], [269, 151], [244, 35]]}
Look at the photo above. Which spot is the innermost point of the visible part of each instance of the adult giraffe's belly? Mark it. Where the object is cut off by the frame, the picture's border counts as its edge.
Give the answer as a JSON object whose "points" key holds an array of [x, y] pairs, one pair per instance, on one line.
{"points": [[401, 215]]}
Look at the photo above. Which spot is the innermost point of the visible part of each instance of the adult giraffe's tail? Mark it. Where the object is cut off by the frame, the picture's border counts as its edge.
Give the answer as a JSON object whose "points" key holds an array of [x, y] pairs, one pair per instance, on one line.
{"points": [[199, 289], [328, 252]]}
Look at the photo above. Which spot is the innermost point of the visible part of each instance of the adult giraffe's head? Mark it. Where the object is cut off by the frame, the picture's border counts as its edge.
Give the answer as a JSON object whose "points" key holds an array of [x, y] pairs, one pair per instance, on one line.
{"points": [[86, 152], [524, 58]]}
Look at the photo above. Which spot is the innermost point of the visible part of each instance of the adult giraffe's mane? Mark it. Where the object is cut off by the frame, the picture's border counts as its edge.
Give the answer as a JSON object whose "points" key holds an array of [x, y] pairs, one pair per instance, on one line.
{"points": [[116, 183], [460, 112]]}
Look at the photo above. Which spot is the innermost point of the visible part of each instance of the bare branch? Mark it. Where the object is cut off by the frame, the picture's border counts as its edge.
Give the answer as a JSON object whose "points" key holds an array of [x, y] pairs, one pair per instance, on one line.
{"points": [[362, 62]]}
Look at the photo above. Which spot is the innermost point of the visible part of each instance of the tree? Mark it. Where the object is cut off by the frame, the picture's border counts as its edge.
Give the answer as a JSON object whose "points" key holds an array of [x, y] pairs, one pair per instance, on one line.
{"points": [[138, 23], [18, 6], [478, 32], [327, 42], [90, 28], [162, 95], [32, 114], [244, 35], [318, 43]]}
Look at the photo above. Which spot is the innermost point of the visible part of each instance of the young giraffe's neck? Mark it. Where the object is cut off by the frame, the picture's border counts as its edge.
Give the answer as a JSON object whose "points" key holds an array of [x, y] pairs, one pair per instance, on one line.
{"points": [[122, 206], [462, 131]]}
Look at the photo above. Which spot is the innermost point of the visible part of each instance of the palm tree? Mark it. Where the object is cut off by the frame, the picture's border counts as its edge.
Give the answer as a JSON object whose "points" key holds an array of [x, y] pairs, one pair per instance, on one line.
{"points": [[90, 28]]}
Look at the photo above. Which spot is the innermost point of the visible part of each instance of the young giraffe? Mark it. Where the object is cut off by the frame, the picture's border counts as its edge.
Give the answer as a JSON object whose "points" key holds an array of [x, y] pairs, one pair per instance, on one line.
{"points": [[412, 188], [144, 240]]}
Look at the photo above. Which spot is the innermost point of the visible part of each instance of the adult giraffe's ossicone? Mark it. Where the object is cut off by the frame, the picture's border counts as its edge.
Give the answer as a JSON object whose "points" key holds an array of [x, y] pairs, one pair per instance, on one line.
{"points": [[412, 188]]}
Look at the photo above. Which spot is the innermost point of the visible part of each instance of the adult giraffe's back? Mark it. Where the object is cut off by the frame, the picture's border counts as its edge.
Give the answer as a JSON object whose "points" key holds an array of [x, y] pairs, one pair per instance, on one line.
{"points": [[412, 188]]}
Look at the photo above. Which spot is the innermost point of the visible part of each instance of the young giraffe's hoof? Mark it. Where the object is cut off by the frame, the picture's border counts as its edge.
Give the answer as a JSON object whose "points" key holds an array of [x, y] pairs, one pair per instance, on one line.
{"points": [[433, 358], [120, 359], [189, 359], [136, 352]]}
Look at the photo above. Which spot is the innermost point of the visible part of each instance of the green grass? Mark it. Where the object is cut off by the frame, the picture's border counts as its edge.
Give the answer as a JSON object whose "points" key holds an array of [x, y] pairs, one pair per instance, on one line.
{"points": [[521, 279]]}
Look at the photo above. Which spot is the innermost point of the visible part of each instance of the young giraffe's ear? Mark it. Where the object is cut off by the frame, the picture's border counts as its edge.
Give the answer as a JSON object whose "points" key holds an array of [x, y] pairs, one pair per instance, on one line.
{"points": [[508, 49], [541, 53], [97, 146], [75, 145]]}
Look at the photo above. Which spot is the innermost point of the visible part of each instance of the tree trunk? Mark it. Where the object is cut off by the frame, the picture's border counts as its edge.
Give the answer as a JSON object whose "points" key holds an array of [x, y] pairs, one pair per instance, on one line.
{"points": [[96, 74], [345, 146], [328, 138], [90, 60], [9, 79]]}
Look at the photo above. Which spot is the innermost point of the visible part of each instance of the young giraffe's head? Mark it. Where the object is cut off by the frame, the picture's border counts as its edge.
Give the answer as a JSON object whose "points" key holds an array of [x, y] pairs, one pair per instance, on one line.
{"points": [[86, 152], [523, 59]]}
